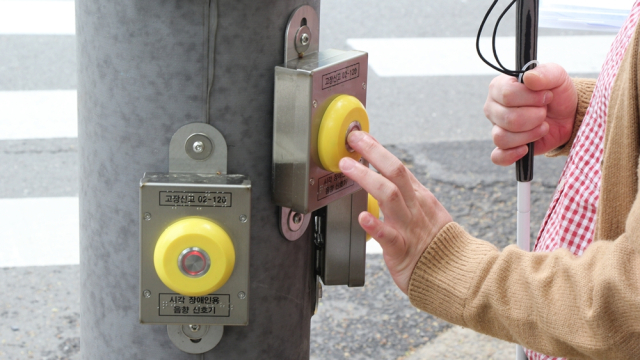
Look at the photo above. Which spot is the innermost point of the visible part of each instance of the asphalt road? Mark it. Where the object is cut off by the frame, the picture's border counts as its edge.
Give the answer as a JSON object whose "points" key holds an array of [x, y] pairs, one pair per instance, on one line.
{"points": [[435, 124]]}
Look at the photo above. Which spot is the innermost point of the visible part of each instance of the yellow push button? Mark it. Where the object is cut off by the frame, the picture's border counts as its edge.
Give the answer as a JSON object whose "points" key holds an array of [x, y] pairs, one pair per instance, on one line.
{"points": [[373, 207], [194, 257], [344, 114]]}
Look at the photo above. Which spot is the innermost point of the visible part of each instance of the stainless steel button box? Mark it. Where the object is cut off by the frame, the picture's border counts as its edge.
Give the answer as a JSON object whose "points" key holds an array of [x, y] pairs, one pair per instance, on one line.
{"points": [[304, 88]]}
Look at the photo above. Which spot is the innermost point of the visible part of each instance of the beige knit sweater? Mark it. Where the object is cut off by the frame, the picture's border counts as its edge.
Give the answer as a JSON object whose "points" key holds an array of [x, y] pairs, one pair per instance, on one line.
{"points": [[555, 303]]}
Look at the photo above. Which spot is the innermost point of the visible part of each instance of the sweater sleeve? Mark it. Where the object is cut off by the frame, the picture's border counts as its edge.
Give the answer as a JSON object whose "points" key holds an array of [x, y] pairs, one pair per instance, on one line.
{"points": [[584, 88], [554, 303]]}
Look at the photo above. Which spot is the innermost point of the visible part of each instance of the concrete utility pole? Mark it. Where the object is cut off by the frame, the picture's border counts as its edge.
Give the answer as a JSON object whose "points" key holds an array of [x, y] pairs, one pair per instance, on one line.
{"points": [[144, 71]]}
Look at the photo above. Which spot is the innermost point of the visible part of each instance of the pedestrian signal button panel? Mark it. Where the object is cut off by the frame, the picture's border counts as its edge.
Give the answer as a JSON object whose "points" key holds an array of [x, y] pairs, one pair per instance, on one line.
{"points": [[319, 99], [194, 248]]}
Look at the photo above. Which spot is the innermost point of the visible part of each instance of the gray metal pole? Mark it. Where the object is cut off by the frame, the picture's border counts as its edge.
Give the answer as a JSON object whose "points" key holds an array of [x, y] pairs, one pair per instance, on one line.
{"points": [[142, 75]]}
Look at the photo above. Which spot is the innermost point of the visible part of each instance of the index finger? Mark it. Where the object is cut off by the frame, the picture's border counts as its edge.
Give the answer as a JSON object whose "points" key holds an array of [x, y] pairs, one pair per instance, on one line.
{"points": [[385, 162]]}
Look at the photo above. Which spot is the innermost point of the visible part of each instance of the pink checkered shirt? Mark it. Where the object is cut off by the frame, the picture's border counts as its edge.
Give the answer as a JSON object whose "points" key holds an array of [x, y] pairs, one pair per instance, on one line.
{"points": [[570, 220]]}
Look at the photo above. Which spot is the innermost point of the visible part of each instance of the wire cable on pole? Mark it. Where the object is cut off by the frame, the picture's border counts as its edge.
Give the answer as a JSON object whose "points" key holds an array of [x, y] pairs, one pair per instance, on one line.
{"points": [[210, 36]]}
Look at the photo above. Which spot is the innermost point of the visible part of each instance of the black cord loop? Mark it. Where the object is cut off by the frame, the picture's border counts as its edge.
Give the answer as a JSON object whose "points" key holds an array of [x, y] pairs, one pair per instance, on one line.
{"points": [[501, 67]]}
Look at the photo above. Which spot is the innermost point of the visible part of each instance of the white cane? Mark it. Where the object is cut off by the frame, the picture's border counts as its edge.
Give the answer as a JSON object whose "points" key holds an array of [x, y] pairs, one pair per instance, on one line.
{"points": [[522, 238], [526, 53], [524, 175]]}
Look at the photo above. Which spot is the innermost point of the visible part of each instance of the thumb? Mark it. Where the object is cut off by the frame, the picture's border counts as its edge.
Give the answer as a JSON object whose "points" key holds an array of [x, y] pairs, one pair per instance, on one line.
{"points": [[547, 76]]}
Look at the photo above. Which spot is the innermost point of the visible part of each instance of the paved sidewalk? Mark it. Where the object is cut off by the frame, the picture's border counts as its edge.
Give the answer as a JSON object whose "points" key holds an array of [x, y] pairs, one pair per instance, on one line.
{"points": [[40, 313]]}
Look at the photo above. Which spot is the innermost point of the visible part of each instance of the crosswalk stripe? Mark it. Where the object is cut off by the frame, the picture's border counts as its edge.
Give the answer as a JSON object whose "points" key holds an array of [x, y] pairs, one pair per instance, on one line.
{"points": [[41, 114], [31, 17], [53, 114], [456, 56], [39, 232], [373, 247]]}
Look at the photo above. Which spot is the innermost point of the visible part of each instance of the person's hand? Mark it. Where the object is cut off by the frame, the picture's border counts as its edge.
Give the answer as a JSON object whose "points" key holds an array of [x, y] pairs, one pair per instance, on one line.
{"points": [[412, 215], [540, 111]]}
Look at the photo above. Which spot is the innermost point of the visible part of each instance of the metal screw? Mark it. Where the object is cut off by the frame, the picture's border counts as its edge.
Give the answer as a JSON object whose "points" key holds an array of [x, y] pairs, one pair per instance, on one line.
{"points": [[147, 216], [194, 328], [146, 293], [315, 103], [364, 86], [297, 218], [304, 39], [198, 147], [311, 182], [243, 218], [242, 295]]}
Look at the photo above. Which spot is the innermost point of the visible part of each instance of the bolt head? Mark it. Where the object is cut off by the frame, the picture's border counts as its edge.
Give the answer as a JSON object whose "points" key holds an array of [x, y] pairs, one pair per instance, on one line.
{"points": [[243, 218], [311, 182], [364, 86], [147, 216], [297, 218], [315, 103], [304, 39], [194, 328], [198, 147], [146, 293], [242, 295]]}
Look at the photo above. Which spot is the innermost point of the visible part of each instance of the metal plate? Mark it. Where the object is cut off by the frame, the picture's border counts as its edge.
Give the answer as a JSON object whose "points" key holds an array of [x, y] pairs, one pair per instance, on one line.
{"points": [[343, 252], [290, 228], [182, 159], [194, 198], [213, 305], [195, 342], [156, 306], [305, 15]]}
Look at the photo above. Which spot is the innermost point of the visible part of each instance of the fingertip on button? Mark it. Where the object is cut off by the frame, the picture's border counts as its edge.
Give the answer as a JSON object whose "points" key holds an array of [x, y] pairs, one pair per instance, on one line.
{"points": [[355, 136]]}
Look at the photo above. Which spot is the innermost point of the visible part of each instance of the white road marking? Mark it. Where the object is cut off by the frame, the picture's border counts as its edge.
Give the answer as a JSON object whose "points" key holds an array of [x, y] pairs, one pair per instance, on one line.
{"points": [[457, 56], [38, 114], [39, 232], [373, 247], [37, 17]]}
